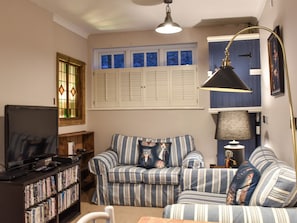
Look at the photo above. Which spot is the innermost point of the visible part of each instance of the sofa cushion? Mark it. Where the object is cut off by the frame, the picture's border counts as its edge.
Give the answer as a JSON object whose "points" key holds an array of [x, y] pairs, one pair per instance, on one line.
{"points": [[212, 180], [277, 187], [193, 160], [243, 184], [127, 148], [262, 157], [168, 176], [230, 213], [153, 155], [180, 147], [126, 174], [197, 197]]}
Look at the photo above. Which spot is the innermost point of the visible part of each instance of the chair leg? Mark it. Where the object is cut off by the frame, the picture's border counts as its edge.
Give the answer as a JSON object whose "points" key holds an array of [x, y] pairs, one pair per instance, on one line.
{"points": [[110, 211]]}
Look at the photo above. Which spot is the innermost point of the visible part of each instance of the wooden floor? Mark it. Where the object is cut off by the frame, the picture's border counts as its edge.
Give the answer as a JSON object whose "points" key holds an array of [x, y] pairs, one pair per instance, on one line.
{"points": [[123, 214]]}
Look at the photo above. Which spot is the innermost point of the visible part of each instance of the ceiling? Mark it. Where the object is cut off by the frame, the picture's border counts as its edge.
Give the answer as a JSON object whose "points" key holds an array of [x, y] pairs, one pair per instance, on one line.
{"points": [[101, 16]]}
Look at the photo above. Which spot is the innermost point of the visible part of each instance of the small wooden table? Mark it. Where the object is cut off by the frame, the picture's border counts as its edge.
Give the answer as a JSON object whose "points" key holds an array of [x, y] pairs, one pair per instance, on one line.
{"points": [[146, 219]]}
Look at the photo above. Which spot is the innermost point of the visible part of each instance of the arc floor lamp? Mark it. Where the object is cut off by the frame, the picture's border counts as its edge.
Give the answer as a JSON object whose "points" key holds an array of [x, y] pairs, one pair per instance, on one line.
{"points": [[226, 80]]}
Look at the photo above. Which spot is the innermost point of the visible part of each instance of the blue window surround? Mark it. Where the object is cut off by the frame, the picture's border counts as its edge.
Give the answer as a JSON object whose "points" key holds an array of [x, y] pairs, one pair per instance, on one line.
{"points": [[245, 55]]}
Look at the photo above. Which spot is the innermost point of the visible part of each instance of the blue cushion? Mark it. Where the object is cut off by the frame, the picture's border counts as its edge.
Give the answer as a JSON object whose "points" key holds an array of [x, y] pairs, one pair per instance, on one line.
{"points": [[243, 184]]}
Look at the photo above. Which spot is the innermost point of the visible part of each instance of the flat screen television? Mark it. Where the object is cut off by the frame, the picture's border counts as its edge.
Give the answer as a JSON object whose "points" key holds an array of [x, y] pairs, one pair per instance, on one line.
{"points": [[31, 134]]}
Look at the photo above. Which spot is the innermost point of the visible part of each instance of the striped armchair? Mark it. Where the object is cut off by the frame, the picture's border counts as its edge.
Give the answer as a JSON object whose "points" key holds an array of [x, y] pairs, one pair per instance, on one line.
{"points": [[204, 194], [120, 180]]}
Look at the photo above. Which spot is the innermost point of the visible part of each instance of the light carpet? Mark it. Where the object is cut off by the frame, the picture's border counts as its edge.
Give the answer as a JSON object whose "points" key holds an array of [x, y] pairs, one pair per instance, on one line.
{"points": [[123, 214]]}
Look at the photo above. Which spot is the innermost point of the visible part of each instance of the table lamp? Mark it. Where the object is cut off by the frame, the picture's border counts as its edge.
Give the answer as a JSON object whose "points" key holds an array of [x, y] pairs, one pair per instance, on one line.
{"points": [[233, 125]]}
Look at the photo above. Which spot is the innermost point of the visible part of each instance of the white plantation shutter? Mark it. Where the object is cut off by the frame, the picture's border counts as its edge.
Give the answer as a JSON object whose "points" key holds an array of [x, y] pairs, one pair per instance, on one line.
{"points": [[105, 84], [156, 86], [184, 85], [130, 86], [148, 87]]}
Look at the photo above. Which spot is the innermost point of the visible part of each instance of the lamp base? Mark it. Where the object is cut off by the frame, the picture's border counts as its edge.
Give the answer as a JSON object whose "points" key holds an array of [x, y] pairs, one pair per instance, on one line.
{"points": [[234, 155]]}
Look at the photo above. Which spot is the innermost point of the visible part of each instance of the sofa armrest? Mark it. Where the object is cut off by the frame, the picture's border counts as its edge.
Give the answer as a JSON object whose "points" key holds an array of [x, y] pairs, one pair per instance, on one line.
{"points": [[229, 213], [212, 180], [100, 163], [193, 160]]}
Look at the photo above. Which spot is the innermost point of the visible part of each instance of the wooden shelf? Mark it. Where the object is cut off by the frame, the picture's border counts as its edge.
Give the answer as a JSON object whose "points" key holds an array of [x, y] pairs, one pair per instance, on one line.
{"points": [[249, 109], [84, 148], [37, 191]]}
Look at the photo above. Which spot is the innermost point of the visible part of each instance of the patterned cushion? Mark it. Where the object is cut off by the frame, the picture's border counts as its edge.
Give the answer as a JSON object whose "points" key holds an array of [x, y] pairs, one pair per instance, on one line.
{"points": [[194, 160], [262, 157], [277, 187], [153, 155], [127, 148], [243, 184]]}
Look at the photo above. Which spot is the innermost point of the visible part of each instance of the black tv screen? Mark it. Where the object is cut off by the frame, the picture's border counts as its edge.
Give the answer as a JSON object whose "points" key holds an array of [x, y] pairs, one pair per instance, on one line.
{"points": [[31, 134]]}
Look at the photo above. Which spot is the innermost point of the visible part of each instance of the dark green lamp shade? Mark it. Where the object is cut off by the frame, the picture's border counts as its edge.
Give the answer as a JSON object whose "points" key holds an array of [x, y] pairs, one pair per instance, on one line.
{"points": [[225, 80]]}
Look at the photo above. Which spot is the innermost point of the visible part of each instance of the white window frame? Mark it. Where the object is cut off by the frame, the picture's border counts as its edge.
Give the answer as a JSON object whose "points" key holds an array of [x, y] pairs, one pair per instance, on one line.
{"points": [[160, 49]]}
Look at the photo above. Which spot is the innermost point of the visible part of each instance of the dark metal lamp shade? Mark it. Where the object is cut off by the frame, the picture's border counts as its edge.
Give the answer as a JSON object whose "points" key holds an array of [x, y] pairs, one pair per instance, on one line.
{"points": [[233, 125], [225, 80]]}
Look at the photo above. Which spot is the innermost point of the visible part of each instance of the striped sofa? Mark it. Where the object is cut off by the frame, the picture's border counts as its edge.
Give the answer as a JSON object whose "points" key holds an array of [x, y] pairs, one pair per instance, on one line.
{"points": [[120, 181], [203, 196]]}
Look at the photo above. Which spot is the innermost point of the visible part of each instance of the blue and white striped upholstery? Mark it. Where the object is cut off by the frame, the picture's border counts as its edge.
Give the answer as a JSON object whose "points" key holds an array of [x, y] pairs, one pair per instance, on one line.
{"points": [[99, 166], [196, 197], [277, 187], [165, 176], [262, 157], [144, 195], [103, 162], [157, 195], [126, 174], [193, 160], [127, 148], [213, 180], [230, 213], [121, 182]]}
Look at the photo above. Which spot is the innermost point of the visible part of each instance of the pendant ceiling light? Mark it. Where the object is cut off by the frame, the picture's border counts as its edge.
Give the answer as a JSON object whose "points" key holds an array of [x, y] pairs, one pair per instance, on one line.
{"points": [[168, 26]]}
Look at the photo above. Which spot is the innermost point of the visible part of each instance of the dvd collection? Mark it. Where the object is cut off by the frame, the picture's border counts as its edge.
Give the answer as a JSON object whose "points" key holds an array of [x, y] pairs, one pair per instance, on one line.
{"points": [[48, 197]]}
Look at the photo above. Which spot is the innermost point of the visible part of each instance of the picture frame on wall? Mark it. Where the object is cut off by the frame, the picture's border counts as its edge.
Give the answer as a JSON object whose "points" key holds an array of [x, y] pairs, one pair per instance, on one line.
{"points": [[276, 64]]}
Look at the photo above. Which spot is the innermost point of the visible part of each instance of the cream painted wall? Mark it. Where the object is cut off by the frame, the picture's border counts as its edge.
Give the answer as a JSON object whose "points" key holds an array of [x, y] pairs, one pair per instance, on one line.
{"points": [[276, 133], [159, 123], [26, 55], [29, 41]]}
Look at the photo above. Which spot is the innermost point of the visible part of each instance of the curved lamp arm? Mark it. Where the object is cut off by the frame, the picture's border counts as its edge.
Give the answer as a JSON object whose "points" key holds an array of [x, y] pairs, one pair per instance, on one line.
{"points": [[227, 62]]}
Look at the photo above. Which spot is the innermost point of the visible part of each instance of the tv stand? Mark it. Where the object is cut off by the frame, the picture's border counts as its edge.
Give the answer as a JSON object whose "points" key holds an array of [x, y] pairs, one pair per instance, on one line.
{"points": [[26, 197], [11, 175]]}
